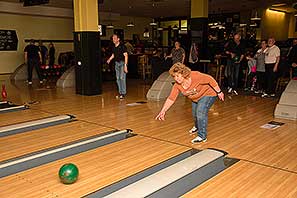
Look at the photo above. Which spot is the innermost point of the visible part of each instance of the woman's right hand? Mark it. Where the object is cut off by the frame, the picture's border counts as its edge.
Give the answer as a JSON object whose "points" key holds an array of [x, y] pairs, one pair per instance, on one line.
{"points": [[161, 116]]}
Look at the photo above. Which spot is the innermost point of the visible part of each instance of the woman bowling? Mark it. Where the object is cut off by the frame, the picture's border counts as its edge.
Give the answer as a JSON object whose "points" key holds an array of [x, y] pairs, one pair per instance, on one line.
{"points": [[201, 89]]}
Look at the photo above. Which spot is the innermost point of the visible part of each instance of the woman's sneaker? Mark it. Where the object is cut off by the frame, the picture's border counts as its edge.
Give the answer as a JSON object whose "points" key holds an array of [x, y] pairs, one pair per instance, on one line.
{"points": [[193, 130], [122, 96], [198, 139]]}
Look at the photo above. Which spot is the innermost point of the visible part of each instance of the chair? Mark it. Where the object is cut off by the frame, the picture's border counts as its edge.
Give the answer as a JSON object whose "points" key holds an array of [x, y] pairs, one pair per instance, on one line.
{"points": [[142, 62], [219, 70], [283, 80], [205, 65], [157, 66], [148, 71]]}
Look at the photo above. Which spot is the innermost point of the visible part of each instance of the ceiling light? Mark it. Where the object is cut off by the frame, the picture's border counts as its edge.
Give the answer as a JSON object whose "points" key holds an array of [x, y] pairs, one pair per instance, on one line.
{"points": [[279, 5], [256, 18], [153, 23], [130, 24], [175, 27], [277, 10], [160, 28], [110, 26]]}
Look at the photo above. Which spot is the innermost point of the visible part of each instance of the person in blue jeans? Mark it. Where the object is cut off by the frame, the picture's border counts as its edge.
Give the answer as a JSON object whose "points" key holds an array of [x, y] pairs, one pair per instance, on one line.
{"points": [[234, 50], [120, 56], [201, 89]]}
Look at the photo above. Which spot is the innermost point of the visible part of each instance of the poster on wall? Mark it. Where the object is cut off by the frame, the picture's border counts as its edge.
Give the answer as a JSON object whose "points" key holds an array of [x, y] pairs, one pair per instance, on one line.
{"points": [[8, 40]]}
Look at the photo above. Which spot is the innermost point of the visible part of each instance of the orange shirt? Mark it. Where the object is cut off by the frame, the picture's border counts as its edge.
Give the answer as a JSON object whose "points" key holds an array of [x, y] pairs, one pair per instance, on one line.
{"points": [[201, 85]]}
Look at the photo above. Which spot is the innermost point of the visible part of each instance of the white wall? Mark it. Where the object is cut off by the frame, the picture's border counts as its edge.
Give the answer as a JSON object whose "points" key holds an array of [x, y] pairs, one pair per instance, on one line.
{"points": [[52, 24], [36, 27]]}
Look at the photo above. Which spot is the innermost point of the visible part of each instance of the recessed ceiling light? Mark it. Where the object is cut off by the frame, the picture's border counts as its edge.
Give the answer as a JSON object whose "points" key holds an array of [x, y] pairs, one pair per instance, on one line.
{"points": [[109, 26], [130, 24], [153, 23], [279, 4]]}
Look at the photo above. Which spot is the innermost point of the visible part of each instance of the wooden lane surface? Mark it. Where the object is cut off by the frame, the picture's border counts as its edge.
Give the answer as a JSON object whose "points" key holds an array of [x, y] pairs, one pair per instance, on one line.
{"points": [[19, 92], [98, 168], [234, 125], [22, 116], [31, 141], [246, 179]]}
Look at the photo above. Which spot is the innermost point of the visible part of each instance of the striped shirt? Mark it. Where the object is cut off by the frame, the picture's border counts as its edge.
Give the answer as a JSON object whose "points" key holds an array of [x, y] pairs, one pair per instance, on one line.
{"points": [[201, 85], [177, 55]]}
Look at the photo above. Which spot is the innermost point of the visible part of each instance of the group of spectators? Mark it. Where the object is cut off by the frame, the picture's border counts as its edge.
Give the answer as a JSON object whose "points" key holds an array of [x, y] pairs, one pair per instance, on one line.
{"points": [[263, 65], [258, 67]]}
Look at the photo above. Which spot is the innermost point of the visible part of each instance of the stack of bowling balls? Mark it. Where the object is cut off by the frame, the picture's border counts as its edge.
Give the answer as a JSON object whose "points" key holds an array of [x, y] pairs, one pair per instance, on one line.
{"points": [[68, 173]]}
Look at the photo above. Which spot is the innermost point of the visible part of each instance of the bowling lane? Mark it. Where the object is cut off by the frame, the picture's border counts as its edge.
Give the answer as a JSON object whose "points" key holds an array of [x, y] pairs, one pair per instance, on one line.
{"points": [[22, 116], [245, 179], [24, 143], [98, 168]]}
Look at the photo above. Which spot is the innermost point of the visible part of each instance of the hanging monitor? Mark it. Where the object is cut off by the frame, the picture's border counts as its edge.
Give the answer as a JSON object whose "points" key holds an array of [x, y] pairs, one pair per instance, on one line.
{"points": [[35, 2]]}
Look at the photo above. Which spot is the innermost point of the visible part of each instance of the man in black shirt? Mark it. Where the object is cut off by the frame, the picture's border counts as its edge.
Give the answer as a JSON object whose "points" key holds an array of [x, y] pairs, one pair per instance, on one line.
{"points": [[32, 59], [51, 54], [235, 52], [44, 52], [120, 55]]}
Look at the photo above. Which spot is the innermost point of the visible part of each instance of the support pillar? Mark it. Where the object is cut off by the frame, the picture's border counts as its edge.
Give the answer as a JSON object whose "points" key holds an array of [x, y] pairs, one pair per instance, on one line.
{"points": [[199, 26], [87, 47]]}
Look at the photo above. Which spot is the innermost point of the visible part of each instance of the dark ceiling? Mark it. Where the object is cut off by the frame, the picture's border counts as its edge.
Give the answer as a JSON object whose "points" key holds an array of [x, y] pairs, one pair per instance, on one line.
{"points": [[169, 8]]}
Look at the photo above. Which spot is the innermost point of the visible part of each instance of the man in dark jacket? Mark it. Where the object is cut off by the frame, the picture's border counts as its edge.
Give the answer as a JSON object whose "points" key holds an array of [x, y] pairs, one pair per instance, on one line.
{"points": [[33, 59]]}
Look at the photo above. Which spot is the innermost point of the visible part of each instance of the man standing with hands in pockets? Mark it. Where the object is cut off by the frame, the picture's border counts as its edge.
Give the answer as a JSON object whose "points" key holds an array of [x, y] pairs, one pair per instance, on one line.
{"points": [[120, 55], [272, 58]]}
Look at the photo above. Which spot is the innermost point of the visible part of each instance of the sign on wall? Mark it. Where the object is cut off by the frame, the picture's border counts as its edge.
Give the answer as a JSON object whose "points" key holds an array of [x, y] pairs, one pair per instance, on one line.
{"points": [[8, 40]]}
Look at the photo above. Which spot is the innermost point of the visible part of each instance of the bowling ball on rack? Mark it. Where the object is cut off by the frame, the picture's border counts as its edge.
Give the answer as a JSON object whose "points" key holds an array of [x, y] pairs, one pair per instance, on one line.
{"points": [[68, 173]]}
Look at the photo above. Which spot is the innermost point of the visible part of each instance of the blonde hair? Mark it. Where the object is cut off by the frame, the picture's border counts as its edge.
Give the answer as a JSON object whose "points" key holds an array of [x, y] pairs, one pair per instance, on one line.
{"points": [[180, 69]]}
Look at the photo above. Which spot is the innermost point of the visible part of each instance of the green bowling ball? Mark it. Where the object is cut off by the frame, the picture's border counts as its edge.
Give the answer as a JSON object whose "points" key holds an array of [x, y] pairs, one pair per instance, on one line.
{"points": [[68, 173]]}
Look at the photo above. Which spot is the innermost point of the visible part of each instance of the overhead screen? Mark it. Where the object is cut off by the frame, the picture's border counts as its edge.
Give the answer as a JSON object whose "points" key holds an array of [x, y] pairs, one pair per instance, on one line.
{"points": [[35, 2]]}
